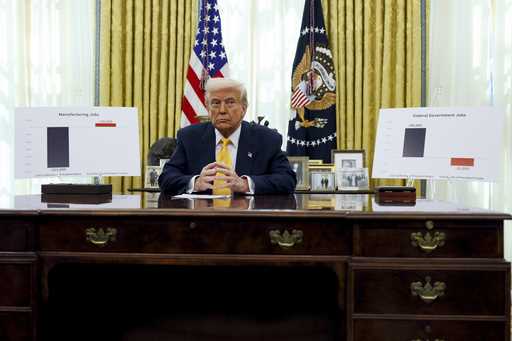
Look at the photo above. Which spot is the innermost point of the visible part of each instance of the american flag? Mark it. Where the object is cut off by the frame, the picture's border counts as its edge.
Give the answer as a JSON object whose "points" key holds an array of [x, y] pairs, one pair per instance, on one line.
{"points": [[208, 59], [299, 97]]}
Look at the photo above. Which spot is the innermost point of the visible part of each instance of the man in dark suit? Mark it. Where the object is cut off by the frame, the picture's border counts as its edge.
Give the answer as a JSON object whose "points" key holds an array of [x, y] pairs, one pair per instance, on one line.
{"points": [[227, 155]]}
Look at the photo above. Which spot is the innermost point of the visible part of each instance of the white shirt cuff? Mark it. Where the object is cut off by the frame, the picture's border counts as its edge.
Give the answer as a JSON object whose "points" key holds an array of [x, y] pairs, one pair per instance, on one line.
{"points": [[190, 187], [250, 183]]}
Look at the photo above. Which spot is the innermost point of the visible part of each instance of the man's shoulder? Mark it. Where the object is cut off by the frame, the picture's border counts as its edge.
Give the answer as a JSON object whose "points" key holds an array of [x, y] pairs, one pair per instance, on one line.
{"points": [[193, 129]]}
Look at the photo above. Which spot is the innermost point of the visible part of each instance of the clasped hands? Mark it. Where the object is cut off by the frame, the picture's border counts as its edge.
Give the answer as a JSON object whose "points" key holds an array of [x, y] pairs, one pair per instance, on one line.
{"points": [[231, 180]]}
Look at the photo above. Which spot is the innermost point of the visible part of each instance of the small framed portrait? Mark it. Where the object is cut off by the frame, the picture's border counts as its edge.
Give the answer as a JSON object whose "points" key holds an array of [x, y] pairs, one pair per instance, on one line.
{"points": [[322, 181], [347, 159], [151, 177], [299, 165], [322, 178], [353, 179]]}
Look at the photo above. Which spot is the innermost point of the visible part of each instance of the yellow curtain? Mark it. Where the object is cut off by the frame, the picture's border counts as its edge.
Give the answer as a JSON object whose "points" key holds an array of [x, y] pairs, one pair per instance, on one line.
{"points": [[145, 49], [377, 54]]}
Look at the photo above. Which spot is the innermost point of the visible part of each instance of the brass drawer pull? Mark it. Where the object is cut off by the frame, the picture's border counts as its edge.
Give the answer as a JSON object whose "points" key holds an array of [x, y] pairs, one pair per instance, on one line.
{"points": [[99, 237], [428, 242], [286, 239], [427, 292]]}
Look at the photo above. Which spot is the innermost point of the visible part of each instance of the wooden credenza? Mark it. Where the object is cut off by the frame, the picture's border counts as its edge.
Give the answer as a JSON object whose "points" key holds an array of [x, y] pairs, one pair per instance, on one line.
{"points": [[433, 271]]}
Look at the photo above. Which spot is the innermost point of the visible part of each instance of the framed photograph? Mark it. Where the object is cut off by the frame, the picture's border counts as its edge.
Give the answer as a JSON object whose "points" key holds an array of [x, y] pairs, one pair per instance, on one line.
{"points": [[347, 159], [299, 165], [322, 181], [352, 179], [322, 177], [151, 176]]}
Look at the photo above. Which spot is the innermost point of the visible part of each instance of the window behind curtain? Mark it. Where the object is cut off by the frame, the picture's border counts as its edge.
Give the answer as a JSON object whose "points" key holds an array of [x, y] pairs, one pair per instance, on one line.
{"points": [[260, 37], [46, 59], [471, 65]]}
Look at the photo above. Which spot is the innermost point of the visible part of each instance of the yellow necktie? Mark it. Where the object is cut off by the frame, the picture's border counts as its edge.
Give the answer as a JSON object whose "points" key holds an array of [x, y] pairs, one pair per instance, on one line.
{"points": [[225, 157]]}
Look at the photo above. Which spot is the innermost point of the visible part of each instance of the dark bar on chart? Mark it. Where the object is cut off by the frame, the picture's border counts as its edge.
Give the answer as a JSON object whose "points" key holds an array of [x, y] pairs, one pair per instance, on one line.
{"points": [[58, 147], [414, 142]]}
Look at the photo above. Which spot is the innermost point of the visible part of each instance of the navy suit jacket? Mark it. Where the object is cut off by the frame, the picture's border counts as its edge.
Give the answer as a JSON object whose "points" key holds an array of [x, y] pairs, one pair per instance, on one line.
{"points": [[259, 156]]}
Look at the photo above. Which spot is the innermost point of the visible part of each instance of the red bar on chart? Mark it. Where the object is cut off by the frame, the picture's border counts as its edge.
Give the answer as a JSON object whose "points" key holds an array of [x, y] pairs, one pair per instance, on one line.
{"points": [[462, 161]]}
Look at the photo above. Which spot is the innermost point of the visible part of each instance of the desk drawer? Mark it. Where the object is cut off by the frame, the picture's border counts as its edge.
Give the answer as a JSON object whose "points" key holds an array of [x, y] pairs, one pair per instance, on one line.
{"points": [[15, 235], [430, 238], [185, 235], [15, 285], [399, 330], [15, 326], [467, 290]]}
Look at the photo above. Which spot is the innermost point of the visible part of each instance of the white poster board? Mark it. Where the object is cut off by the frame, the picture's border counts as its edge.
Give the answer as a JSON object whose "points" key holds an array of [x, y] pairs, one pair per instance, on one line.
{"points": [[76, 141], [439, 143]]}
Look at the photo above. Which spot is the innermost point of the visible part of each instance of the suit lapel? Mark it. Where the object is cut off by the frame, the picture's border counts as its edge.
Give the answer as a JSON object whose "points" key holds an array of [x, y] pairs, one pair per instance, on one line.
{"points": [[245, 154], [208, 140]]}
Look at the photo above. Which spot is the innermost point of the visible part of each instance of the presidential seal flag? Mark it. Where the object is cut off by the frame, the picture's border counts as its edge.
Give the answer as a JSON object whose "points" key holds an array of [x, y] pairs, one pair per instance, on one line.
{"points": [[208, 59], [312, 125]]}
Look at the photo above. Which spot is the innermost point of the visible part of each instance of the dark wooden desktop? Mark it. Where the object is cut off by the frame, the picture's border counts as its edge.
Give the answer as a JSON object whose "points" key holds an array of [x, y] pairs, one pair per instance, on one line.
{"points": [[303, 267]]}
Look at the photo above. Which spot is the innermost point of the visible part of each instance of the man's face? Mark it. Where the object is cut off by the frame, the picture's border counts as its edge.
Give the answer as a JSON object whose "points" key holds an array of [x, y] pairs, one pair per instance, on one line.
{"points": [[225, 110]]}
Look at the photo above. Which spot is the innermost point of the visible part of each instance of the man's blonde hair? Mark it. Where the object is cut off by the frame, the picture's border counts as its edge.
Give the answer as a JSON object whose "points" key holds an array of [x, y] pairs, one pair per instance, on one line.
{"points": [[216, 84]]}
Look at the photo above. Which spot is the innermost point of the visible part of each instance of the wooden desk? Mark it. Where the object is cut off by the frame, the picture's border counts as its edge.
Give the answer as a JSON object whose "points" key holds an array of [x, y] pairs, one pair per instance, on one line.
{"points": [[433, 271]]}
